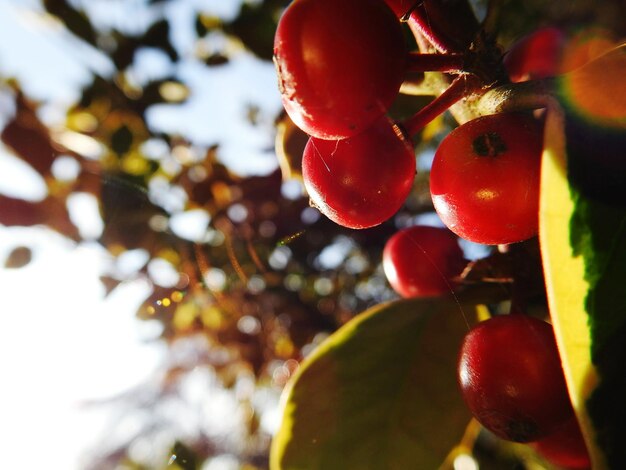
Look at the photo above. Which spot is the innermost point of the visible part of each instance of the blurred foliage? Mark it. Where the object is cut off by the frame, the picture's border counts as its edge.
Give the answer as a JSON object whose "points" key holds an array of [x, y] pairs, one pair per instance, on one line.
{"points": [[515, 18], [258, 289], [18, 258]]}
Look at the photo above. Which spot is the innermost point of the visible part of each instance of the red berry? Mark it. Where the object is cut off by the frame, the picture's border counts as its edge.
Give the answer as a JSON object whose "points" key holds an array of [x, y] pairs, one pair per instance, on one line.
{"points": [[484, 180], [422, 261], [361, 181], [565, 447], [537, 55], [340, 64], [511, 377]]}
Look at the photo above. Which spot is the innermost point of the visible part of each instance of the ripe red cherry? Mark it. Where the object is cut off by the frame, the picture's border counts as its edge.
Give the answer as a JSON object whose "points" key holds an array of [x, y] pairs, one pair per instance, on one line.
{"points": [[361, 181], [340, 64], [422, 261], [511, 377], [484, 180], [565, 447], [537, 55]]}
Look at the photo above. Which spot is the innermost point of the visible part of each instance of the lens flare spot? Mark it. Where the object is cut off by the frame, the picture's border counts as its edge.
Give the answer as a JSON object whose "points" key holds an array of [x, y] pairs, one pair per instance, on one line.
{"points": [[596, 91]]}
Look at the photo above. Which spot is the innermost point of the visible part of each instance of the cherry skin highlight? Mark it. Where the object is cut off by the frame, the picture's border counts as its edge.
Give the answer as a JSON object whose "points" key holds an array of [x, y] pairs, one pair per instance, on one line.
{"points": [[422, 261], [361, 181], [340, 64], [484, 181], [511, 378]]}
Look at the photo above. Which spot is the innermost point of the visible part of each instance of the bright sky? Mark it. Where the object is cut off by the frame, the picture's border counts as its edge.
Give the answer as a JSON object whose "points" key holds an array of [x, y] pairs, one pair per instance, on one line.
{"points": [[61, 344]]}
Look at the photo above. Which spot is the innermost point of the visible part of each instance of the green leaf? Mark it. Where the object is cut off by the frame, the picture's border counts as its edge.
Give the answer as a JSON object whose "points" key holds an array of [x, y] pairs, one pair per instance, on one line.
{"points": [[564, 273], [380, 393], [583, 242]]}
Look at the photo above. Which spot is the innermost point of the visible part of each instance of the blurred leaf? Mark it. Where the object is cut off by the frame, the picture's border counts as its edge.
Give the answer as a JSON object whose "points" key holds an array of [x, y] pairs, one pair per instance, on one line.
{"points": [[102, 96], [290, 143], [121, 140], [182, 458], [128, 212], [157, 36], [50, 212], [75, 21], [216, 59], [199, 26], [381, 392], [29, 138], [256, 25], [205, 23], [18, 258], [513, 19], [109, 284]]}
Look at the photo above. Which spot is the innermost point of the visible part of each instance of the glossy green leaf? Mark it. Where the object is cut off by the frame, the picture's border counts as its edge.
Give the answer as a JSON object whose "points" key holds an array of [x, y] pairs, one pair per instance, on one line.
{"points": [[564, 273], [380, 393]]}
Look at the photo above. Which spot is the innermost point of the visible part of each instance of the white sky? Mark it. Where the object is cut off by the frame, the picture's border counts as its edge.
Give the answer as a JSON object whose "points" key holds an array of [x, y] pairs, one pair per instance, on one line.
{"points": [[62, 344]]}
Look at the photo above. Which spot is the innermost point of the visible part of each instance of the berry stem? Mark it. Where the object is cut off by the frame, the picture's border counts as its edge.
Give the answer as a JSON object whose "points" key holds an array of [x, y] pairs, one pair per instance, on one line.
{"points": [[523, 96], [459, 88], [447, 63], [448, 26], [417, 18]]}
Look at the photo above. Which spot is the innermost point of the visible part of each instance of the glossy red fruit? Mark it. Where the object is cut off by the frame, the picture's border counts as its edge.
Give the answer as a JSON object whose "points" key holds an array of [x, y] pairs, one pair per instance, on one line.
{"points": [[340, 64], [511, 377], [361, 181], [537, 55], [565, 447], [484, 180], [422, 261]]}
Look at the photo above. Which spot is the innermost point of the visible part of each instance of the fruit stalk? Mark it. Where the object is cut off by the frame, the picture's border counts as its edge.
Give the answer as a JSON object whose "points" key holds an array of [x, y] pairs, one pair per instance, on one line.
{"points": [[448, 26], [447, 63], [523, 96], [460, 87]]}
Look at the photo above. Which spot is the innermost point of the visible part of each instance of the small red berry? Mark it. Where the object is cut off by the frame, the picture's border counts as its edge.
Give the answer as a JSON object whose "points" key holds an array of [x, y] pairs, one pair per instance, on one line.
{"points": [[363, 180], [511, 377], [340, 64], [484, 181], [422, 261]]}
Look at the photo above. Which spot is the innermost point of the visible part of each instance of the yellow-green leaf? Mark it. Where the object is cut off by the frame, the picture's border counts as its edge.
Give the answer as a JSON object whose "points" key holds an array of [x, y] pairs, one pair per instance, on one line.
{"points": [[380, 393], [583, 239], [565, 275]]}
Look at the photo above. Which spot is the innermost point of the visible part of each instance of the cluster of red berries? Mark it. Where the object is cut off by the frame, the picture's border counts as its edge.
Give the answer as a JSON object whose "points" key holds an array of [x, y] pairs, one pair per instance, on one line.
{"points": [[340, 66]]}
